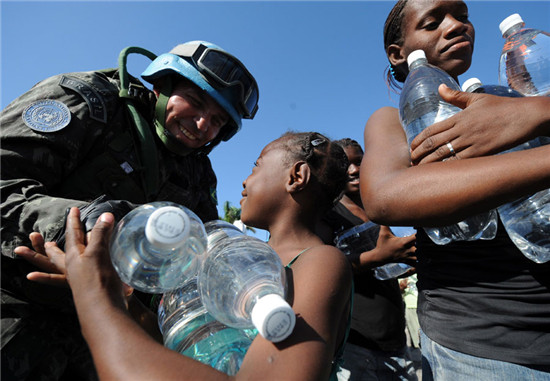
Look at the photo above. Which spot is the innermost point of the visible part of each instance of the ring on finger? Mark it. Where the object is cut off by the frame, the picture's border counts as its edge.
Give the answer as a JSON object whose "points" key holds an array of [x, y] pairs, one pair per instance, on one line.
{"points": [[451, 149]]}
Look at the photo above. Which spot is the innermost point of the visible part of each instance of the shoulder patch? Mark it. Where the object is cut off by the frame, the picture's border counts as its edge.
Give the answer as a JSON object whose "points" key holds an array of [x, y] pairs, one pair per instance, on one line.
{"points": [[95, 102], [46, 115]]}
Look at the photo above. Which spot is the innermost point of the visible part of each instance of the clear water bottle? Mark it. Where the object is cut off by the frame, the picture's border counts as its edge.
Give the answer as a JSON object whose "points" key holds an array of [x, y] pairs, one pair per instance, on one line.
{"points": [[217, 230], [474, 85], [420, 106], [156, 247], [525, 58], [242, 283], [527, 220], [189, 329], [358, 239], [395, 269]]}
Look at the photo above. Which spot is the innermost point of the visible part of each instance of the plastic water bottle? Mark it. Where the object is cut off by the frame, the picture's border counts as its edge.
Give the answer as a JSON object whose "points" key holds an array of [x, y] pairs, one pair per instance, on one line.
{"points": [[358, 239], [156, 247], [395, 269], [189, 329], [526, 220], [242, 283], [474, 85], [420, 106], [525, 58], [217, 230]]}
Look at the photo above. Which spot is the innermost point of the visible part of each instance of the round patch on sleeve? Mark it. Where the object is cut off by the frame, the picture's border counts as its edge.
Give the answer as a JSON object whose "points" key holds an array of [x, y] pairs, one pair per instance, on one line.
{"points": [[46, 115]]}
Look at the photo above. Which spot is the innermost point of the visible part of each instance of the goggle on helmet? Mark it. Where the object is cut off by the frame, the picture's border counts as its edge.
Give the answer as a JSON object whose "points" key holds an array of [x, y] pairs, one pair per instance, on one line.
{"points": [[215, 71]]}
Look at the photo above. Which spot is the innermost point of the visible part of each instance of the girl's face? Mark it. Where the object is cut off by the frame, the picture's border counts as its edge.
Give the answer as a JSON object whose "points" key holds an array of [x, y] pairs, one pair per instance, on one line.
{"points": [[354, 157], [443, 30], [264, 187]]}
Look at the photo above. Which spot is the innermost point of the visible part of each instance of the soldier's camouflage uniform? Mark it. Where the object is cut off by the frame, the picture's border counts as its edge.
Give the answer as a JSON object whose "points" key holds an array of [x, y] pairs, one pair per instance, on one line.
{"points": [[44, 173]]}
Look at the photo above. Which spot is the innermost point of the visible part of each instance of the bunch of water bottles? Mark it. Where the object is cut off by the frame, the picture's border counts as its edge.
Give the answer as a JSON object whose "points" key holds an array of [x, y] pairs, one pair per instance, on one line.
{"points": [[524, 70], [220, 287]]}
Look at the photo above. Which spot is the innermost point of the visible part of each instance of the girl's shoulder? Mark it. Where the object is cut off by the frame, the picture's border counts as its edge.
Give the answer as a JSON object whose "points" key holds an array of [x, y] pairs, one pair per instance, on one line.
{"points": [[322, 259]]}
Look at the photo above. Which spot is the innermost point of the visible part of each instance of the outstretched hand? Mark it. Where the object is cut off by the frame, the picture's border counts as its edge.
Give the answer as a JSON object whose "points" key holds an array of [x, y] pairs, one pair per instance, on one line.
{"points": [[47, 257], [83, 265], [89, 267], [487, 125]]}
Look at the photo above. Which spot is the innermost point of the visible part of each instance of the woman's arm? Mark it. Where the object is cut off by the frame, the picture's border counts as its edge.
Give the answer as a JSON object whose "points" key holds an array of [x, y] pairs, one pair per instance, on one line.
{"points": [[439, 193]]}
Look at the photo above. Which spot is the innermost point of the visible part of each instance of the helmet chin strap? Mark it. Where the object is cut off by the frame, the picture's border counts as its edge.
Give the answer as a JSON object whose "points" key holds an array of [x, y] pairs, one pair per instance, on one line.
{"points": [[169, 140]]}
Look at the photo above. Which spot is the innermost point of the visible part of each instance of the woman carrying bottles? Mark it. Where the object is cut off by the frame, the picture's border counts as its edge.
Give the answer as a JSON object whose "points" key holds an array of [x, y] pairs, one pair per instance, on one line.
{"points": [[296, 179], [484, 309]]}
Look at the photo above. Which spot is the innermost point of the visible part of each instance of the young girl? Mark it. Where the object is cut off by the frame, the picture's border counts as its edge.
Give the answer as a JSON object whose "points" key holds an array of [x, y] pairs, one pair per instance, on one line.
{"points": [[484, 308], [295, 180]]}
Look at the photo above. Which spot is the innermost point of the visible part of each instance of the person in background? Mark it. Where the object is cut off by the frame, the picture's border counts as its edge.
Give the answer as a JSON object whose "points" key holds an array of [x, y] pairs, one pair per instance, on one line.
{"points": [[483, 307], [102, 141], [376, 348], [410, 297], [295, 180]]}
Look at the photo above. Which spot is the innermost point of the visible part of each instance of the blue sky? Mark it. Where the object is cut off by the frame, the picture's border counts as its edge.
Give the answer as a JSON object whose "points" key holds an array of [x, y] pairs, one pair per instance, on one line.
{"points": [[319, 64]]}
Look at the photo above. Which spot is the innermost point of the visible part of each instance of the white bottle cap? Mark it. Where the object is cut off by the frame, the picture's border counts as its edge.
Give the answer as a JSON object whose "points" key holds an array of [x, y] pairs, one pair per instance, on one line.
{"points": [[273, 317], [167, 227], [509, 22], [471, 82], [415, 55]]}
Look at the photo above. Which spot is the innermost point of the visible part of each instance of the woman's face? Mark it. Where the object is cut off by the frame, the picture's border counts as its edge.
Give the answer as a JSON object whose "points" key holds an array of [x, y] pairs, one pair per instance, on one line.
{"points": [[443, 30]]}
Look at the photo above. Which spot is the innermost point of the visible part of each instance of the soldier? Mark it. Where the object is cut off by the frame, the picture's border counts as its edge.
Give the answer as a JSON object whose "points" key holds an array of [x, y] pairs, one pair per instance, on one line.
{"points": [[92, 139]]}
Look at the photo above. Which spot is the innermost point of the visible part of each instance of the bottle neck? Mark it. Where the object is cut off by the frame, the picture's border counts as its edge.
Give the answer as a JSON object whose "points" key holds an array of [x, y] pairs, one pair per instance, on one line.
{"points": [[513, 29], [473, 87], [417, 62]]}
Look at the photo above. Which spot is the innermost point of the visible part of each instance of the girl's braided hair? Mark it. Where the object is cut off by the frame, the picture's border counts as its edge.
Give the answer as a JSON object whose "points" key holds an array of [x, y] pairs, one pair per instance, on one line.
{"points": [[327, 161], [393, 34]]}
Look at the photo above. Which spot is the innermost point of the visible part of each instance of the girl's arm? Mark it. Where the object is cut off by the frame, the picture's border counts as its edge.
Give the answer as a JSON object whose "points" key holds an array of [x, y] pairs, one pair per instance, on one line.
{"points": [[122, 350], [439, 193]]}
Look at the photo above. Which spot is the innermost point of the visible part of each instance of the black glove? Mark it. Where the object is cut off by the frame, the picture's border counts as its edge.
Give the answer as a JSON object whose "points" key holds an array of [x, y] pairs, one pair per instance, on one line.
{"points": [[91, 212]]}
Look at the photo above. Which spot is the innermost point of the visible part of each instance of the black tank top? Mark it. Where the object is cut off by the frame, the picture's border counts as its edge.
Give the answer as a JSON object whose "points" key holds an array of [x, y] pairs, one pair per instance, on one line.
{"points": [[485, 298]]}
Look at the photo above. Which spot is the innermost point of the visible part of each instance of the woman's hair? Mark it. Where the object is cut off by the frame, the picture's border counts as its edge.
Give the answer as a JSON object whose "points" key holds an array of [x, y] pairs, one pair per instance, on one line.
{"points": [[347, 142], [328, 162], [393, 34]]}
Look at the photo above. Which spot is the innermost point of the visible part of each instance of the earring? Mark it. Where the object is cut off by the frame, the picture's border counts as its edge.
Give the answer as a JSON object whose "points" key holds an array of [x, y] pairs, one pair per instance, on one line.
{"points": [[392, 71]]}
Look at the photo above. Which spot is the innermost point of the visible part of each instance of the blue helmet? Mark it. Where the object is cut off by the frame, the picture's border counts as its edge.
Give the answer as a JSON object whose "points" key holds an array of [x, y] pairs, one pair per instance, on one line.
{"points": [[215, 71]]}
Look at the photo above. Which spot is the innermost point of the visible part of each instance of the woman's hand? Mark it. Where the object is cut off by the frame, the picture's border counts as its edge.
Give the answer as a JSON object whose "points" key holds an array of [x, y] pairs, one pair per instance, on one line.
{"points": [[487, 125]]}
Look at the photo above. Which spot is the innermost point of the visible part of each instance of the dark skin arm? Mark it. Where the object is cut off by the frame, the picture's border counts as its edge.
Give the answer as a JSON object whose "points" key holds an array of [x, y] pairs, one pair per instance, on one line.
{"points": [[440, 193], [52, 264], [123, 350]]}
